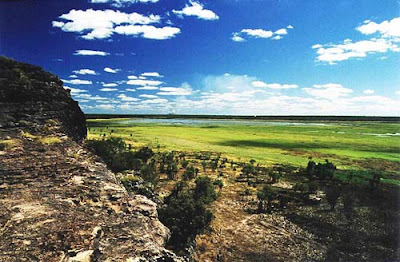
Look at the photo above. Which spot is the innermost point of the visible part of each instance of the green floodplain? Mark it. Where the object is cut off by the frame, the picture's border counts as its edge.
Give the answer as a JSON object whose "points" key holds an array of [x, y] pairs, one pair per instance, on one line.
{"points": [[358, 147]]}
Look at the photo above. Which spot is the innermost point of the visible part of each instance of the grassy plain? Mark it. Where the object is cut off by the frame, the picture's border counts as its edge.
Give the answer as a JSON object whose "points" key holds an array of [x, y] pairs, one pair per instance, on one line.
{"points": [[350, 145]]}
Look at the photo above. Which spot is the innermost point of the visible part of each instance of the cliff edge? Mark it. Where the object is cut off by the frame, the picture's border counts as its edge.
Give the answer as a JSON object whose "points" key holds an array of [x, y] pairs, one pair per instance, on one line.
{"points": [[59, 202]]}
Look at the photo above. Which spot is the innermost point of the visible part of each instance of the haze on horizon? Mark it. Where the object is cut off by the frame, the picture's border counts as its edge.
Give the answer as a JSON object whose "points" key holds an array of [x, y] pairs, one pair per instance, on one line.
{"points": [[244, 57]]}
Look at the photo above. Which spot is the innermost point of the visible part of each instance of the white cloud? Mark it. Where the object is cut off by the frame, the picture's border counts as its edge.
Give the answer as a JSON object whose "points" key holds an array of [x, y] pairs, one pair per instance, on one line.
{"points": [[328, 91], [106, 89], [110, 70], [73, 76], [155, 101], [196, 9], [110, 85], [368, 91], [90, 52], [130, 90], [132, 77], [397, 92], [237, 38], [387, 36], [259, 33], [175, 91], [261, 84], [281, 31], [85, 72], [140, 82], [77, 82], [388, 28], [148, 31], [127, 98], [152, 74], [148, 96], [147, 88], [332, 53], [101, 24], [119, 3], [105, 107]]}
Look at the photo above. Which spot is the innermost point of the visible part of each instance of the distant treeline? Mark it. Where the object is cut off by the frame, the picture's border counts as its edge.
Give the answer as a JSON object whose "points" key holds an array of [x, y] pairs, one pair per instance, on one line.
{"points": [[277, 118]]}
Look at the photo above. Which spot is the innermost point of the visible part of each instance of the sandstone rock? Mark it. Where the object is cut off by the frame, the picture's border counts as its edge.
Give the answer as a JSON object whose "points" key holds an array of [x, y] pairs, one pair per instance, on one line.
{"points": [[57, 201], [29, 95]]}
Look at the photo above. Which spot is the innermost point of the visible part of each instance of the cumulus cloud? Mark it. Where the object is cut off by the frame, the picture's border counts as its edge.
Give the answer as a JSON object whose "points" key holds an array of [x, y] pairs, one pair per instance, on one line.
{"points": [[110, 85], [110, 70], [387, 28], [175, 91], [141, 82], [91, 52], [328, 91], [119, 3], [105, 107], [386, 36], [148, 96], [368, 91], [126, 98], [85, 72], [333, 53], [196, 9], [77, 82], [155, 101], [259, 33], [106, 89], [130, 90], [147, 88], [151, 74], [102, 24], [261, 84], [148, 31]]}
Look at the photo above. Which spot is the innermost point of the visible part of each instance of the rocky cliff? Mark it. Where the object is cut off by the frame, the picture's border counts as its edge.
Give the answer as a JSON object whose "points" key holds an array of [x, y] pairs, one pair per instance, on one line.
{"points": [[59, 202], [31, 97]]}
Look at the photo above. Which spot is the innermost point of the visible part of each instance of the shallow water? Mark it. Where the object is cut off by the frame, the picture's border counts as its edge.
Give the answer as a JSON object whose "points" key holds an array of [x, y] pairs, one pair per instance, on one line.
{"points": [[213, 122]]}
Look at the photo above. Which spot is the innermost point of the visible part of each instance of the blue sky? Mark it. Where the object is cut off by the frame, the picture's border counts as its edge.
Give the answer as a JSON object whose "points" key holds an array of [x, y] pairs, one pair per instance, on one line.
{"points": [[244, 57]]}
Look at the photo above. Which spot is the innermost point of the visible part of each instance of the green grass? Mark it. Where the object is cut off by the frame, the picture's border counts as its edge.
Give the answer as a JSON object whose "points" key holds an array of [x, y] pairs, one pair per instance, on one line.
{"points": [[348, 144]]}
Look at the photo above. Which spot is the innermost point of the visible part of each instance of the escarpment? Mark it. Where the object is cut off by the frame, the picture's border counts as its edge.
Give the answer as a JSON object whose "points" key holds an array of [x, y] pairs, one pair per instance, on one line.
{"points": [[59, 202], [31, 98]]}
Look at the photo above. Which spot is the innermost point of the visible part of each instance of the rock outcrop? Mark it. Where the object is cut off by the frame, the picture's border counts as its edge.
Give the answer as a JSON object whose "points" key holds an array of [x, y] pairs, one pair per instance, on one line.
{"points": [[31, 97], [59, 202]]}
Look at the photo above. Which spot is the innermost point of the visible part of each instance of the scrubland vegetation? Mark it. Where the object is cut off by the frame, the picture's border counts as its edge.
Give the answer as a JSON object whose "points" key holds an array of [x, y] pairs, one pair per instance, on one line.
{"points": [[333, 208]]}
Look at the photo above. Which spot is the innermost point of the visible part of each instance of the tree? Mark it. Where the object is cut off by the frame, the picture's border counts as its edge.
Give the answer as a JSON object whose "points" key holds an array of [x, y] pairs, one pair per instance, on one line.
{"points": [[204, 165], [265, 197], [189, 173], [204, 190], [219, 183]]}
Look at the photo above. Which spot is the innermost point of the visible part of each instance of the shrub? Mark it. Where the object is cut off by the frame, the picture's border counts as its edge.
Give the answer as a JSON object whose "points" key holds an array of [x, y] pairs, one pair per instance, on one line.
{"points": [[185, 212], [185, 163], [204, 190], [189, 173], [144, 153]]}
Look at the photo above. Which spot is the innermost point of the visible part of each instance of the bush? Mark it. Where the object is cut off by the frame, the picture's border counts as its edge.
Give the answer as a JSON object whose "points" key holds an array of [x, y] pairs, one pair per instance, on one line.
{"points": [[189, 173], [204, 190], [115, 154], [185, 213], [185, 163], [144, 153]]}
